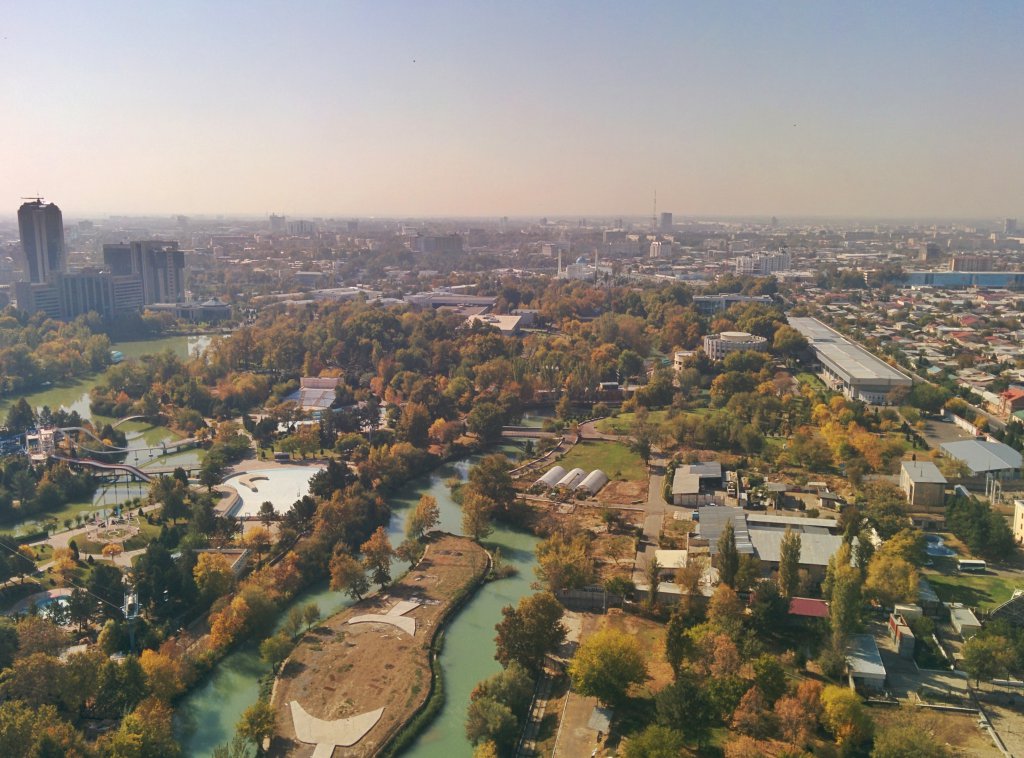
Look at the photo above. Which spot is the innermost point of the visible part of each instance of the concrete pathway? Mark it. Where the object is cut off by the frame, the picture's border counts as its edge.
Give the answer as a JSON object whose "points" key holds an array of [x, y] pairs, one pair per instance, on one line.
{"points": [[394, 617], [327, 735]]}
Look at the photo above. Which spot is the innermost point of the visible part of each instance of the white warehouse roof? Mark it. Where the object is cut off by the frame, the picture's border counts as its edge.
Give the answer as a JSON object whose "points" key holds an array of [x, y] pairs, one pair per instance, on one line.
{"points": [[573, 478]]}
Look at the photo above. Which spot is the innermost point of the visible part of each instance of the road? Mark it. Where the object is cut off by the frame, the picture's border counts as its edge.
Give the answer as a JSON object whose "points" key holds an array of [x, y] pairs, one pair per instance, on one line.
{"points": [[654, 515]]}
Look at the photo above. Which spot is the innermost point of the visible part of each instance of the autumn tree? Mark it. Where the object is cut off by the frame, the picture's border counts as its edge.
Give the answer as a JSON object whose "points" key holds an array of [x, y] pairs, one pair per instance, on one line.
{"points": [[377, 553], [565, 563], [752, 716], [685, 705], [725, 612], [655, 742], [410, 550], [163, 675], [789, 562], [424, 517], [528, 632], [257, 724], [476, 515], [987, 657], [891, 579], [213, 575], [348, 575], [606, 664], [845, 717]]}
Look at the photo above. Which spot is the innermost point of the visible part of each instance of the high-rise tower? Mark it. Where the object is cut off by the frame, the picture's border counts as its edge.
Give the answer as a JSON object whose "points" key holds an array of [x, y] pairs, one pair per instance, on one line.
{"points": [[41, 226]]}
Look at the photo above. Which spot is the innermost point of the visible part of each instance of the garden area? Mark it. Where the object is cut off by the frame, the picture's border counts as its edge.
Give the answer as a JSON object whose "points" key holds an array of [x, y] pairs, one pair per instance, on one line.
{"points": [[613, 458]]}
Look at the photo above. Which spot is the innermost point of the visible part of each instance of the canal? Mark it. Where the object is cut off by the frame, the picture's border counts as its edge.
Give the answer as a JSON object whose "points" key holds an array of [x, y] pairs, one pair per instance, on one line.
{"points": [[206, 717]]}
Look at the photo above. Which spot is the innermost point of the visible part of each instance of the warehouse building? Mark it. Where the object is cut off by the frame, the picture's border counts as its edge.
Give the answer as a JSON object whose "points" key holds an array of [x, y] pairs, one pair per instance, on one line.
{"points": [[922, 483], [984, 458], [848, 367]]}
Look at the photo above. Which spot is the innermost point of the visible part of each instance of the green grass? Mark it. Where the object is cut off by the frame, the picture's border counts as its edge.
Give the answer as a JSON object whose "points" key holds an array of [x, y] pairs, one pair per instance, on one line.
{"points": [[613, 458], [976, 590], [805, 377], [623, 423]]}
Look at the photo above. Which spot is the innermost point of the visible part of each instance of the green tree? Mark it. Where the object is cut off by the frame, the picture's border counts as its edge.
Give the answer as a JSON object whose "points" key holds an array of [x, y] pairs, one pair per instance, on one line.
{"points": [[655, 742], [257, 724], [606, 664], [769, 677], [789, 562], [487, 720], [685, 705], [411, 550], [987, 657], [274, 649], [528, 632], [310, 614], [728, 555]]}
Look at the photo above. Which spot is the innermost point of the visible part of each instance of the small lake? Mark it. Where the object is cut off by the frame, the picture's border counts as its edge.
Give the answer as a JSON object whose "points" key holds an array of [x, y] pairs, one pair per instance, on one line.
{"points": [[206, 717], [75, 396]]}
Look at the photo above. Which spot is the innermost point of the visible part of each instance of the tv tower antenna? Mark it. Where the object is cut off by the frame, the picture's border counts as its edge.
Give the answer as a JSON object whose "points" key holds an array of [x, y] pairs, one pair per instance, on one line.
{"points": [[654, 213]]}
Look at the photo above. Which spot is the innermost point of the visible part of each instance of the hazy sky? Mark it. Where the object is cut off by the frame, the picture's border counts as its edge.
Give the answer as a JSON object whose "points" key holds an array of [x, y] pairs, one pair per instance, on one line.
{"points": [[486, 108]]}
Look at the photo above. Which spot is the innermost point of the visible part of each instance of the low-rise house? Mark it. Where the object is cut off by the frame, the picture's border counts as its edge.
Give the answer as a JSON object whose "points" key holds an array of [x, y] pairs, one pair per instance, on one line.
{"points": [[864, 663], [923, 484]]}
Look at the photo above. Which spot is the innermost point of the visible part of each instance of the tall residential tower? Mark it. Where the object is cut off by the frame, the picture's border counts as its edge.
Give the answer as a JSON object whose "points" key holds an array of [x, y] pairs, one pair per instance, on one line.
{"points": [[41, 226]]}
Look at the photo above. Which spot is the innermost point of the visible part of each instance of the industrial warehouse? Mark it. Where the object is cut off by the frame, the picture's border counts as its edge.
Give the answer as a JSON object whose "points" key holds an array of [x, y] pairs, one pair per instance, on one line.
{"points": [[847, 367]]}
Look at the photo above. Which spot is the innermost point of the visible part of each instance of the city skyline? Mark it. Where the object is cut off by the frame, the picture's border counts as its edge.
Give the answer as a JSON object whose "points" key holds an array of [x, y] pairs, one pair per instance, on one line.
{"points": [[577, 109]]}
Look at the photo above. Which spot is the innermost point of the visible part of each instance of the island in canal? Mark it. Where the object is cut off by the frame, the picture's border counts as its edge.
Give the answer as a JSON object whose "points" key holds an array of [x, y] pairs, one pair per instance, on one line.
{"points": [[363, 674]]}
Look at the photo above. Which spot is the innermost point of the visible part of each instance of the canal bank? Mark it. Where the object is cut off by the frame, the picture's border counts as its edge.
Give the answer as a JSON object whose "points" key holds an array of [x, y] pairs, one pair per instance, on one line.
{"points": [[206, 717]]}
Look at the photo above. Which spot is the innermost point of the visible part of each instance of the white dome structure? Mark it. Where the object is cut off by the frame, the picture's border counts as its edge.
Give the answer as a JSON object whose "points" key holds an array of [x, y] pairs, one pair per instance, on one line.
{"points": [[593, 482], [573, 478], [552, 477]]}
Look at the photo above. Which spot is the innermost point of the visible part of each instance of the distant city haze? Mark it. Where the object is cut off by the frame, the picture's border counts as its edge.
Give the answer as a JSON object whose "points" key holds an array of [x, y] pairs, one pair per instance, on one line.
{"points": [[909, 109]]}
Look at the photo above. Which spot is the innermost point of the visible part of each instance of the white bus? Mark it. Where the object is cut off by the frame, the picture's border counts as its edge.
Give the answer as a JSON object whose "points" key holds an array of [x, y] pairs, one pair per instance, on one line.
{"points": [[972, 566]]}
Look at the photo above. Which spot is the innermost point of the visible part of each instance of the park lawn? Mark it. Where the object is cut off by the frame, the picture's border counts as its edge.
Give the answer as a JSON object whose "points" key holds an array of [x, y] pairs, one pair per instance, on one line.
{"points": [[806, 377], [614, 458], [976, 590], [623, 423]]}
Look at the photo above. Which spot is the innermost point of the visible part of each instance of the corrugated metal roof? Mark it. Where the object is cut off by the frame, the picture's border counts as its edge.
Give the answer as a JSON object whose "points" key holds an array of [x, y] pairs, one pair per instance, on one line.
{"points": [[815, 549], [712, 523], [981, 456]]}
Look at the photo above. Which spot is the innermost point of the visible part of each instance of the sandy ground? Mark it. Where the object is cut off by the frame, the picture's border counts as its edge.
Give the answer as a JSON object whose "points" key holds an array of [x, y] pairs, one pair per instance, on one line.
{"points": [[340, 670]]}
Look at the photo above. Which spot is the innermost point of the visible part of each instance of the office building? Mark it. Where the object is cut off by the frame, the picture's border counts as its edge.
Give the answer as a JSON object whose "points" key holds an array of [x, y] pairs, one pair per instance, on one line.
{"points": [[41, 226], [970, 262], [449, 243], [301, 228], [666, 222], [762, 264], [276, 223], [1010, 226], [159, 265]]}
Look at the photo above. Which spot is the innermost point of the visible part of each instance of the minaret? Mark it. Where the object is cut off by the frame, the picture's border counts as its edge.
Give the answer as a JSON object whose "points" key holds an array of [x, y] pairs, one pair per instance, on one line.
{"points": [[559, 261]]}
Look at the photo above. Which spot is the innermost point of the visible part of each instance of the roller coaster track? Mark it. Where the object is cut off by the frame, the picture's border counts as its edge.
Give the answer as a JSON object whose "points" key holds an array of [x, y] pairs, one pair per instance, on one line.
{"points": [[133, 470]]}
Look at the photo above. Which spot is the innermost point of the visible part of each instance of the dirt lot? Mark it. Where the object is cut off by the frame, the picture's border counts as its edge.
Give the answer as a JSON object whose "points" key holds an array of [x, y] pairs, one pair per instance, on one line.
{"points": [[958, 730], [624, 493], [341, 670]]}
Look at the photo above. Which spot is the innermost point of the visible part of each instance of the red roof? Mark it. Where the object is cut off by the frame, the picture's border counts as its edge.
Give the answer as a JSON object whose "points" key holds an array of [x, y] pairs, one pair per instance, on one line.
{"points": [[808, 606], [1012, 394]]}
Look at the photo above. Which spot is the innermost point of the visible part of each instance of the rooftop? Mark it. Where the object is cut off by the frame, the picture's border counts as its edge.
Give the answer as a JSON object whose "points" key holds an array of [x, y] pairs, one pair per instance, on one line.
{"points": [[852, 360], [809, 607], [923, 472], [982, 456], [862, 656]]}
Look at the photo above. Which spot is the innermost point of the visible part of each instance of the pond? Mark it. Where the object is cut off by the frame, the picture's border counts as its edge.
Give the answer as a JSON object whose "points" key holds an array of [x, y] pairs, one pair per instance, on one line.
{"points": [[75, 396], [206, 717]]}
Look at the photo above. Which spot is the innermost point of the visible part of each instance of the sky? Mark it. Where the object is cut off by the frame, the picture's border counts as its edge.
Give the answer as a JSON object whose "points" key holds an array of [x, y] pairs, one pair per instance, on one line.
{"points": [[519, 108]]}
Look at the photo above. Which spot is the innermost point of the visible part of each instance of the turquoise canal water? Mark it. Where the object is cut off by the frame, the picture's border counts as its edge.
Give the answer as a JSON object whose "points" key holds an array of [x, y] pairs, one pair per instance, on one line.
{"points": [[206, 717]]}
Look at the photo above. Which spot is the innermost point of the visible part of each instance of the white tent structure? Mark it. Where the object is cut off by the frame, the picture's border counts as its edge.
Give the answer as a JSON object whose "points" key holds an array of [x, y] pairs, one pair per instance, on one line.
{"points": [[552, 477], [593, 482], [573, 478]]}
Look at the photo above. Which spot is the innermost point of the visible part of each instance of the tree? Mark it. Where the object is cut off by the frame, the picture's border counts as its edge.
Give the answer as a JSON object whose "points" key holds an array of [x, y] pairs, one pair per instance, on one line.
{"points": [[63, 562], [987, 657], [423, 517], [81, 607], [163, 675], [491, 477], [725, 612], [487, 720], [843, 588], [275, 648], [652, 572], [684, 705], [348, 575], [769, 677], [891, 579], [257, 724], [267, 513], [486, 750], [8, 643], [145, 733], [213, 575], [753, 716], [310, 614], [528, 632], [476, 515], [789, 563], [485, 420], [565, 563], [843, 714], [606, 664], [796, 722], [377, 553], [411, 550], [655, 742], [728, 555]]}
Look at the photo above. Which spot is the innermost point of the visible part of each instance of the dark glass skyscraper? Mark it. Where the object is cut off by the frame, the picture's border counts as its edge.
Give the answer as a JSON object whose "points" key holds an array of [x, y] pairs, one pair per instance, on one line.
{"points": [[41, 226]]}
